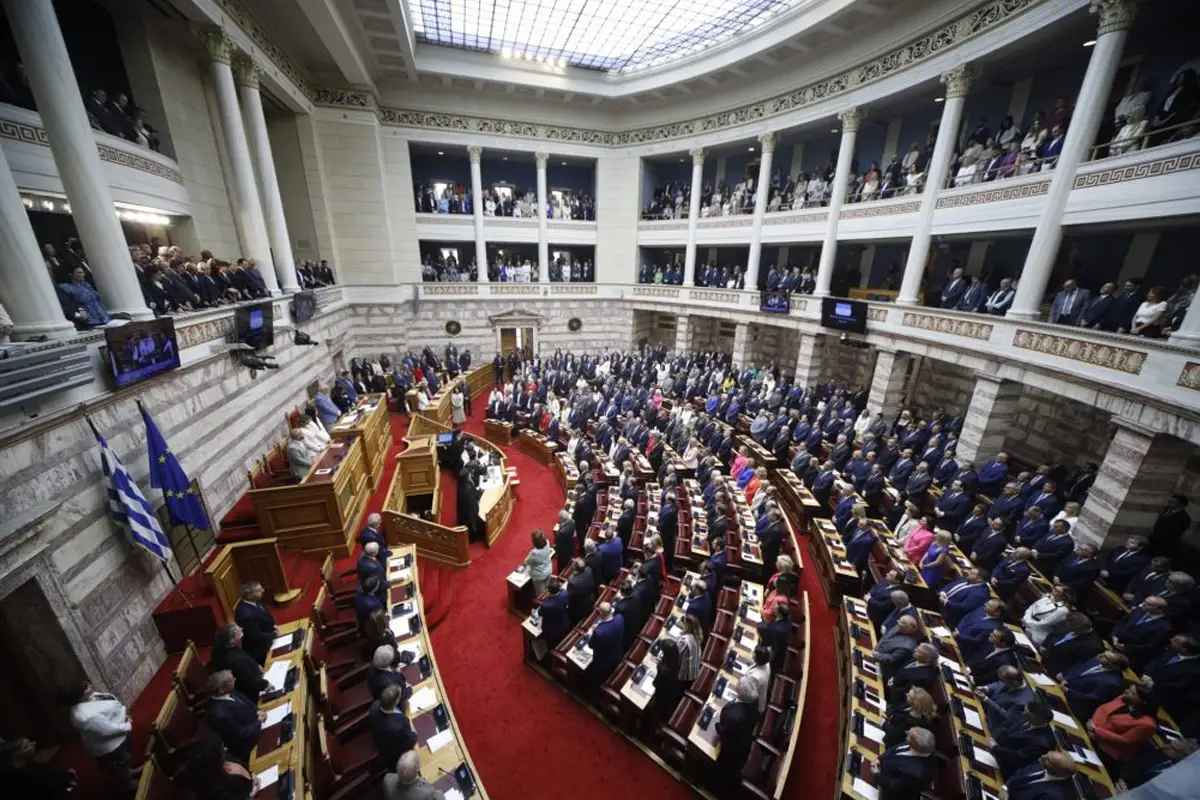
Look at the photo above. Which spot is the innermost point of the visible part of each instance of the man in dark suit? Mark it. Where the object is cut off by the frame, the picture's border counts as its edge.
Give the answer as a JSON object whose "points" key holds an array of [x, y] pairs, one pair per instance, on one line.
{"points": [[228, 656], [879, 597], [585, 512], [1078, 486], [920, 671], [997, 653], [1078, 643], [1125, 304], [1080, 569], [668, 522], [564, 541], [973, 630], [607, 642], [1008, 506], [390, 729], [735, 729], [625, 522], [1170, 526], [370, 596], [594, 562], [373, 533], [700, 604], [257, 624], [1012, 573], [1151, 580], [1069, 303], [1005, 697], [823, 485], [860, 544], [905, 771], [895, 647], [952, 508], [1123, 564], [775, 631], [383, 672], [901, 607], [719, 561], [1093, 682], [970, 529], [581, 591], [232, 716], [1048, 778], [629, 609], [1023, 740], [770, 540], [960, 597], [1143, 632], [1094, 313], [369, 563], [953, 291], [611, 552], [1174, 675], [554, 612]]}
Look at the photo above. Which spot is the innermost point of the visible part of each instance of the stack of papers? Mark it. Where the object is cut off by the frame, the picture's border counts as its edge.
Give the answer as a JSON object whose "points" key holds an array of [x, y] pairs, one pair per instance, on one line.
{"points": [[1081, 755], [453, 794], [439, 740], [400, 625], [940, 632], [282, 641], [873, 733], [863, 788], [946, 662], [400, 576], [277, 674], [1040, 679], [1064, 719], [985, 758], [753, 616], [276, 715], [423, 699], [518, 578], [267, 777]]}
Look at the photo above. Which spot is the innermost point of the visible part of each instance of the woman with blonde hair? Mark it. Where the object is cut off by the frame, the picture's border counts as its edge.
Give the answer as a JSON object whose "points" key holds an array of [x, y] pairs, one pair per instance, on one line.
{"points": [[783, 583], [919, 712], [1069, 513]]}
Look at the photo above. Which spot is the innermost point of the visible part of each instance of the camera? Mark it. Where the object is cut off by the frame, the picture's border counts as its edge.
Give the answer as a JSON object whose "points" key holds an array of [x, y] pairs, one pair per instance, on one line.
{"points": [[256, 362], [302, 338]]}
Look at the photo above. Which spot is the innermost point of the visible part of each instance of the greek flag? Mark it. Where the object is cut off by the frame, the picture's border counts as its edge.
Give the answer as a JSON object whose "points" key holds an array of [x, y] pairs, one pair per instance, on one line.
{"points": [[128, 506]]}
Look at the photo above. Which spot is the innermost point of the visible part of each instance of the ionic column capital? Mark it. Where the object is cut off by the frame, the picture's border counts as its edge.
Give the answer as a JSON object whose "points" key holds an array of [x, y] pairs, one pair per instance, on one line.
{"points": [[697, 154], [1113, 15], [957, 81], [475, 153], [542, 158], [219, 46], [851, 118], [245, 71], [767, 140]]}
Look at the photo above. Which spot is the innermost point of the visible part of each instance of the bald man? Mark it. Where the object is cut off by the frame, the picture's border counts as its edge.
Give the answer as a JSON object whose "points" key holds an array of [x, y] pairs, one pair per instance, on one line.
{"points": [[1048, 778], [406, 782]]}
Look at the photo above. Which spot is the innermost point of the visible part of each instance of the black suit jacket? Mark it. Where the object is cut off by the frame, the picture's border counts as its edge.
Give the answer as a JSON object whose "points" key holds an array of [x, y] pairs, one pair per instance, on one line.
{"points": [[1177, 685], [902, 776], [392, 733], [380, 679], [258, 628], [735, 727], [1018, 744], [1140, 642], [247, 674], [581, 594], [625, 526], [564, 545], [235, 721], [1058, 657]]}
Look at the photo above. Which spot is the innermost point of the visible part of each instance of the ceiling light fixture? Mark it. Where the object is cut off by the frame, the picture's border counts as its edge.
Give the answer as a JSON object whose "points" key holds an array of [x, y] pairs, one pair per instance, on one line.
{"points": [[751, 148], [506, 53], [564, 163], [505, 158], [835, 130], [939, 99], [1090, 43], [440, 153]]}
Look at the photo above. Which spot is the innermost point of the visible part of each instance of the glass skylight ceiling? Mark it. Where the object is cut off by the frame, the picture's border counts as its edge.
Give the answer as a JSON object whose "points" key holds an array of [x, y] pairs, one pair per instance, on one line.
{"points": [[610, 35]]}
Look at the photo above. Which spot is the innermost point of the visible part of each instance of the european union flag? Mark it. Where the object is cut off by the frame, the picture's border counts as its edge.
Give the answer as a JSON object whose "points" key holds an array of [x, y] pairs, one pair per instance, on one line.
{"points": [[183, 501]]}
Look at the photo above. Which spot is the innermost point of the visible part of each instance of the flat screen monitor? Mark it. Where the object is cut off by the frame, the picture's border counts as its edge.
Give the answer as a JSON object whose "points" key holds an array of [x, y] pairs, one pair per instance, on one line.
{"points": [[775, 302], [445, 438], [141, 350], [845, 315], [255, 325], [304, 306]]}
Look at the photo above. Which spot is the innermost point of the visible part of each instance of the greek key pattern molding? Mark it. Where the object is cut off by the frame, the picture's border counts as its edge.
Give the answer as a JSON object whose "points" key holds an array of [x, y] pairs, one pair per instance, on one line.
{"points": [[965, 27], [35, 134], [516, 288], [1133, 172], [994, 195], [1190, 377], [796, 219], [880, 211], [955, 327], [710, 296], [738, 221], [655, 291], [447, 219], [1100, 355], [574, 288], [446, 289]]}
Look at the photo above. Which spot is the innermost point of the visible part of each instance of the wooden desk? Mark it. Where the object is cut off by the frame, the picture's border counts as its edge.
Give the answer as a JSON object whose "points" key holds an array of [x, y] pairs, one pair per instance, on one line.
{"points": [[496, 502], [839, 578], [321, 513], [454, 752], [672, 626], [368, 421], [293, 754], [498, 431], [537, 446], [240, 562]]}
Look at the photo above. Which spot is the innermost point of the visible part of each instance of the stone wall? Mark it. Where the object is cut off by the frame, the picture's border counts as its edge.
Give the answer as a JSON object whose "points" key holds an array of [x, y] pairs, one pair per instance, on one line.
{"points": [[1050, 427], [941, 383], [846, 366], [770, 343], [644, 323], [216, 419], [708, 334]]}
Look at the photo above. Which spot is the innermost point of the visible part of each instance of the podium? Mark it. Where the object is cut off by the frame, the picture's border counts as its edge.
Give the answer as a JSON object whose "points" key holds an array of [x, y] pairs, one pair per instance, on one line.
{"points": [[241, 562]]}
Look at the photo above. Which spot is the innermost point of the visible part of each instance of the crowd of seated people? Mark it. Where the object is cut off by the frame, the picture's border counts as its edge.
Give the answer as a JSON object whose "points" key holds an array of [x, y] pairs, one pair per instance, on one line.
{"points": [[453, 199]]}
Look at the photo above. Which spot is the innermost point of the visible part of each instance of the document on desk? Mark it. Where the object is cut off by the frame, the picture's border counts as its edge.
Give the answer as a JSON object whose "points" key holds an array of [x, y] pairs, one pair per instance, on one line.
{"points": [[423, 699], [277, 674], [439, 740], [324, 471], [453, 794], [875, 734], [276, 715], [267, 777], [1081, 755], [952, 664], [865, 789], [518, 578], [401, 626], [1065, 719], [1023, 640], [972, 719], [1040, 679], [985, 758], [875, 701], [940, 632], [402, 575], [282, 641], [753, 615]]}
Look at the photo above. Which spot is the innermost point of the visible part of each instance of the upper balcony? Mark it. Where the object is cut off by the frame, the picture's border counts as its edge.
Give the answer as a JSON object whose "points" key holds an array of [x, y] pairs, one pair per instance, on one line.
{"points": [[137, 176]]}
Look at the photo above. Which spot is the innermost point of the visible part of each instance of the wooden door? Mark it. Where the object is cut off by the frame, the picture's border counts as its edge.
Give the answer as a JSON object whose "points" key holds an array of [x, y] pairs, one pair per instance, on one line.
{"points": [[508, 340]]}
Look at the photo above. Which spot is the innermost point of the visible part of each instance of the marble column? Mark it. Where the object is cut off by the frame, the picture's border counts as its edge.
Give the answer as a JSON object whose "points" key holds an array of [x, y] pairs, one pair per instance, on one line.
{"points": [[543, 200], [243, 194], [851, 118], [741, 345], [683, 333], [26, 288], [1140, 471], [44, 53], [762, 187], [957, 82], [689, 257], [990, 415], [247, 74], [887, 383], [1115, 20], [477, 199], [808, 359]]}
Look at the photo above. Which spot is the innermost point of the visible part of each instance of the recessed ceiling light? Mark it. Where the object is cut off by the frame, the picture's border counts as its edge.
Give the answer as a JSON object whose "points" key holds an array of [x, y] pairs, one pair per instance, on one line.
{"points": [[835, 130], [939, 99], [564, 163], [1090, 43], [682, 160], [440, 153], [751, 149], [505, 158]]}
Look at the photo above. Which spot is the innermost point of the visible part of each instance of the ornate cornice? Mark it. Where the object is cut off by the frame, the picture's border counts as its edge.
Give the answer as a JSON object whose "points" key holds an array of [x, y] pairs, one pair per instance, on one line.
{"points": [[1108, 356], [1113, 15], [258, 35], [245, 71], [956, 327]]}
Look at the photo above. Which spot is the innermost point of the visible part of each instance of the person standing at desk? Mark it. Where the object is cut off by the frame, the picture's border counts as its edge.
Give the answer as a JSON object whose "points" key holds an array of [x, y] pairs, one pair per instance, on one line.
{"points": [[1049, 778], [232, 716], [391, 731], [257, 624], [1022, 740], [905, 771], [406, 782], [299, 458], [457, 415], [735, 729], [228, 654]]}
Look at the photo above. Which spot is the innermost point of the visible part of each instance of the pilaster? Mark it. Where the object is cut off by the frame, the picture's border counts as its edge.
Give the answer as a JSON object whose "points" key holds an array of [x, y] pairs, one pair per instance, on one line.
{"points": [[989, 416], [887, 383], [808, 360]]}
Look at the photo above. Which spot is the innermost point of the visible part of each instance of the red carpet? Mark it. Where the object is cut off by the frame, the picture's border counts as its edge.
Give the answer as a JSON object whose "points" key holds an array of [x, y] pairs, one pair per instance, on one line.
{"points": [[527, 738]]}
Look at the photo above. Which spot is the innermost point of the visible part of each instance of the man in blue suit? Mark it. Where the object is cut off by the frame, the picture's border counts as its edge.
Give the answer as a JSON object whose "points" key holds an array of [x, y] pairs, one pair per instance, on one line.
{"points": [[947, 468], [257, 624], [902, 469], [952, 508], [879, 597], [231, 716], [858, 548], [700, 604], [1144, 632], [1012, 572], [845, 506], [347, 385], [554, 613], [1008, 506], [607, 643], [973, 630], [1006, 697], [368, 598], [611, 551], [1078, 570], [993, 475], [1069, 303], [1092, 683], [369, 563], [990, 547], [901, 607], [719, 560], [1023, 740], [1048, 778], [1120, 566], [906, 770], [1032, 528], [823, 485], [962, 596], [372, 533], [970, 529], [1054, 547], [1045, 498], [955, 288]]}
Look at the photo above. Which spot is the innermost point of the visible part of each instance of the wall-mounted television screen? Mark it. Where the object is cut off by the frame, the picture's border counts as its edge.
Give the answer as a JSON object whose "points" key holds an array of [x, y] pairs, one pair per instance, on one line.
{"points": [[304, 306], [775, 302], [255, 325], [141, 350], [844, 315]]}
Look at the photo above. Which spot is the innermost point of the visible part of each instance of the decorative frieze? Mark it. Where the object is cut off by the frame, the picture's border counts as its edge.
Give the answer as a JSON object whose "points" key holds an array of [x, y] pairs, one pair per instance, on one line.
{"points": [[516, 288], [1133, 172], [1097, 354], [35, 134], [991, 193], [867, 210], [715, 296], [873, 314], [1189, 378], [445, 289], [951, 325], [574, 288], [656, 291]]}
